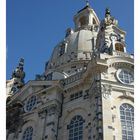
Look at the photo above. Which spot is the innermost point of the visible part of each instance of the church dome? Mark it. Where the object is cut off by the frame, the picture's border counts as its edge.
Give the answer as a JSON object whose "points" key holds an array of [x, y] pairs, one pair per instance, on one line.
{"points": [[78, 44], [75, 47]]}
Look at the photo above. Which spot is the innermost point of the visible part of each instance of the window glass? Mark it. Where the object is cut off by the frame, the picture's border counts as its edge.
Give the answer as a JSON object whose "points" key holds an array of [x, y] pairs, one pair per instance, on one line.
{"points": [[76, 128], [62, 49], [76, 95], [119, 47], [127, 121], [28, 134], [126, 76], [30, 103]]}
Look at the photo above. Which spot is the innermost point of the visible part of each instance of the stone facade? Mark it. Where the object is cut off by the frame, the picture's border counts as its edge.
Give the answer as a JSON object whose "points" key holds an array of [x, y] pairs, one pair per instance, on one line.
{"points": [[86, 91]]}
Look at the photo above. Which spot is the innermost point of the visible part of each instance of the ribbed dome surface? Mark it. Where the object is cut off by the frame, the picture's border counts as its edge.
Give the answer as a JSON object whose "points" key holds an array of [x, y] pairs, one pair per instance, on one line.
{"points": [[79, 46]]}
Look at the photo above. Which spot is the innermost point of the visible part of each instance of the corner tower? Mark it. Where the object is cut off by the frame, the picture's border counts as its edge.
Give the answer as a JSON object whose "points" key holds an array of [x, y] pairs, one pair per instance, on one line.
{"points": [[111, 39], [114, 83]]}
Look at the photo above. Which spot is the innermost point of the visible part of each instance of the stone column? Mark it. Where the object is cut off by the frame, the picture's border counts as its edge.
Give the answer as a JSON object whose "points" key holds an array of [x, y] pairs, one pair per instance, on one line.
{"points": [[50, 122]]}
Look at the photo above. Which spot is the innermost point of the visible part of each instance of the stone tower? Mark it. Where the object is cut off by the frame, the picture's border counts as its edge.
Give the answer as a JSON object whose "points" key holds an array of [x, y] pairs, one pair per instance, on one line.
{"points": [[86, 91]]}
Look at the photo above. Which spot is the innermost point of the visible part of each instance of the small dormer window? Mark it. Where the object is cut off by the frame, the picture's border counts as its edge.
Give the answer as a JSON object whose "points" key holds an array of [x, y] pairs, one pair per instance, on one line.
{"points": [[119, 47], [69, 31], [62, 49], [83, 21]]}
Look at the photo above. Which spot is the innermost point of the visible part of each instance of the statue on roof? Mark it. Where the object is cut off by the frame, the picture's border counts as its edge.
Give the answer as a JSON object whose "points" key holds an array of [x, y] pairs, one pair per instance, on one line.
{"points": [[18, 72], [107, 12], [17, 79], [109, 19]]}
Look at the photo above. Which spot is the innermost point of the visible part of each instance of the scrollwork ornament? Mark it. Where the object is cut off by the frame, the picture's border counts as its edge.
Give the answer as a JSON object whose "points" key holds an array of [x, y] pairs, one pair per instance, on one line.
{"points": [[106, 91], [42, 114]]}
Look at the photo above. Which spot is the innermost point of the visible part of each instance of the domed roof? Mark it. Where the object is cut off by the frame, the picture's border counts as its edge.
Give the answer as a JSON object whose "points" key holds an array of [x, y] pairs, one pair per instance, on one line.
{"points": [[78, 44]]}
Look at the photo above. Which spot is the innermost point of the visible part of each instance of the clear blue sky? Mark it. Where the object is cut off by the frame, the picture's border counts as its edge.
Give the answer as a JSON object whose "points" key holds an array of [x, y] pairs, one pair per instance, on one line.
{"points": [[34, 27]]}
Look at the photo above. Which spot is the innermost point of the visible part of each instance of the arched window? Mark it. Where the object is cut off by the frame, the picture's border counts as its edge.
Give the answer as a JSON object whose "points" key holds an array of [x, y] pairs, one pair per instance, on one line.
{"points": [[127, 121], [83, 21], [62, 49], [31, 103], [28, 133], [125, 76], [76, 128], [119, 47], [93, 21]]}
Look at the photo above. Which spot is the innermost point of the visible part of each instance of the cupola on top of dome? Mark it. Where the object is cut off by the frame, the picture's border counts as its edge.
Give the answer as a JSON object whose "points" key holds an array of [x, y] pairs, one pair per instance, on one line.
{"points": [[86, 18]]}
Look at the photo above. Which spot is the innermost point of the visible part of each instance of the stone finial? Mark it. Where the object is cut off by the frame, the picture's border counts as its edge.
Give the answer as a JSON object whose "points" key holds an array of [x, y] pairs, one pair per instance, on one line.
{"points": [[17, 80], [18, 72], [87, 2], [107, 12], [108, 20]]}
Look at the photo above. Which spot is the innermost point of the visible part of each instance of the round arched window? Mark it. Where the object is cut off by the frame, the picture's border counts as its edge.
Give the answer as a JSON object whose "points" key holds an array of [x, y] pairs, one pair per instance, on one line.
{"points": [[127, 121], [93, 21], [125, 76], [83, 21], [76, 128], [30, 104], [119, 47], [28, 134]]}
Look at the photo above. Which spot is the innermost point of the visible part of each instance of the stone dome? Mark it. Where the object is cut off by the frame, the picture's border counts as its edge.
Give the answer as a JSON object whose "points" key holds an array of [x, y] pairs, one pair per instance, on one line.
{"points": [[77, 46]]}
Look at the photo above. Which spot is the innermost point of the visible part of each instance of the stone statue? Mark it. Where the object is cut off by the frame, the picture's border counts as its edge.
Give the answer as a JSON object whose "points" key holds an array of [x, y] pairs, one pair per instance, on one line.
{"points": [[17, 79], [108, 20]]}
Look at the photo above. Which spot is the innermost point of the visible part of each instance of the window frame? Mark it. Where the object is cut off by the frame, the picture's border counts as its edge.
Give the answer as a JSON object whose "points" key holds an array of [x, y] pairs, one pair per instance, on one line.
{"points": [[31, 105], [119, 47], [28, 133], [76, 95], [62, 48], [83, 21], [123, 79], [76, 128], [126, 124]]}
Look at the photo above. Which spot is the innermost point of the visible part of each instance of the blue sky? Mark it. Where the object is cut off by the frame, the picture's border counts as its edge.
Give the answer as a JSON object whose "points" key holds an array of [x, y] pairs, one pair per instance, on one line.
{"points": [[34, 27]]}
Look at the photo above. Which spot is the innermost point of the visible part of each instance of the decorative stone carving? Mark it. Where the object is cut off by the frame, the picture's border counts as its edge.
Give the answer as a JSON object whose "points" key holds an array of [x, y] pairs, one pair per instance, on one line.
{"points": [[53, 109], [49, 110], [106, 91], [109, 20], [69, 31], [42, 114], [18, 72], [17, 80], [97, 85], [125, 93]]}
